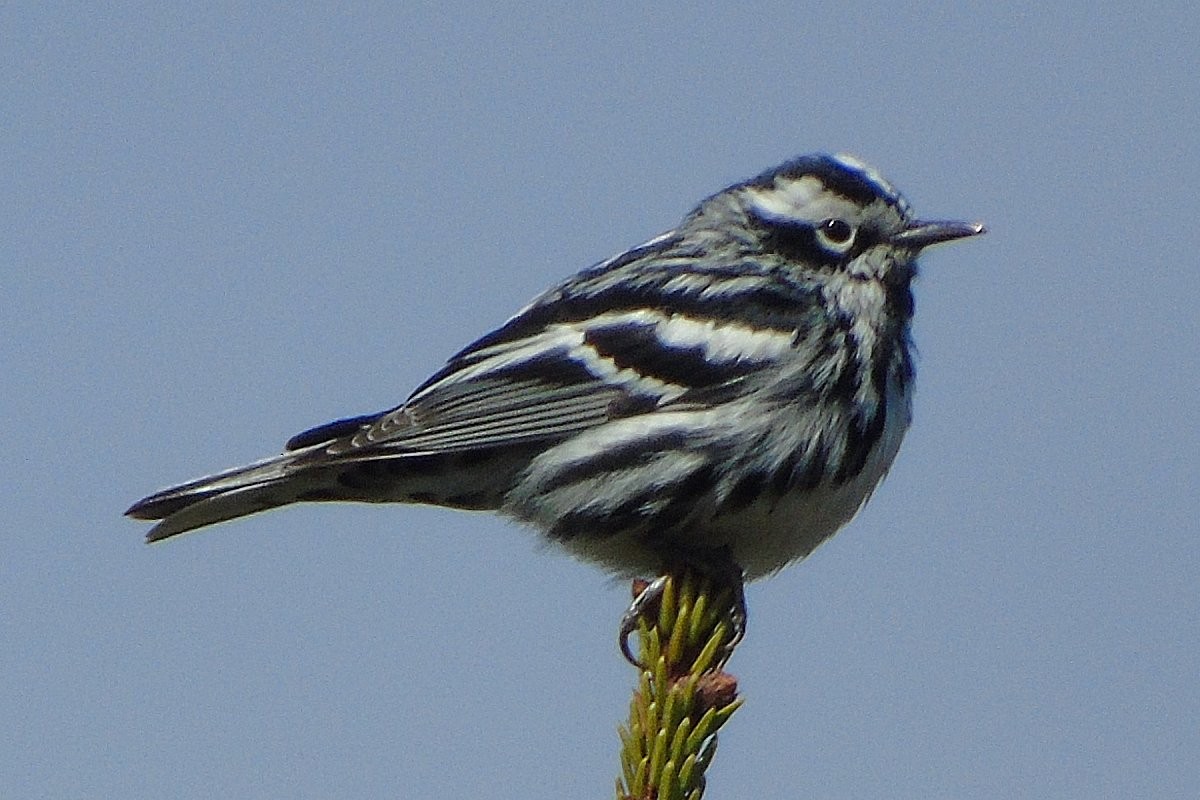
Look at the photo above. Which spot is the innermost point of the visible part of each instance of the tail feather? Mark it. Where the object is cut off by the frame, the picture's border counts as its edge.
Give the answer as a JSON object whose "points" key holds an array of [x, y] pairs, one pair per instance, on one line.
{"points": [[326, 471], [230, 504], [238, 492]]}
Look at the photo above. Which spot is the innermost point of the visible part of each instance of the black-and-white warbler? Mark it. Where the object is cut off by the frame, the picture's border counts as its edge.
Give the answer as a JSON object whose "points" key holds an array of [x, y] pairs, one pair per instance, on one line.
{"points": [[736, 386]]}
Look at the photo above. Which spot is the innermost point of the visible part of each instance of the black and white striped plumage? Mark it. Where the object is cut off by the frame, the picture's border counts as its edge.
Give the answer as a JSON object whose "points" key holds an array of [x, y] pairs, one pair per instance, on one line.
{"points": [[740, 383]]}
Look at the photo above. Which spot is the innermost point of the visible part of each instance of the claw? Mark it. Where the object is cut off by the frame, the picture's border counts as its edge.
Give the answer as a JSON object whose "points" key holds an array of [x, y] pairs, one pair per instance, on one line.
{"points": [[739, 617], [649, 595]]}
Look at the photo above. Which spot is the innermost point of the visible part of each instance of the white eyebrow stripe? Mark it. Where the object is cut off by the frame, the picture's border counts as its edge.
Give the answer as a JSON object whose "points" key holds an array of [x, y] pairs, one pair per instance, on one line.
{"points": [[803, 200], [786, 199]]}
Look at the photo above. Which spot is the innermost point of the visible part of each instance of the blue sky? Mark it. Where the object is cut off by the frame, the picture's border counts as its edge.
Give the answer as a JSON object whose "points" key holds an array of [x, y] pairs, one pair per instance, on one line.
{"points": [[227, 223]]}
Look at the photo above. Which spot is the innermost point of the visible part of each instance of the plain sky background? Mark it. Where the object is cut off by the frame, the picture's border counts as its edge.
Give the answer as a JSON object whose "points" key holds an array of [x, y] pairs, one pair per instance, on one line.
{"points": [[222, 224]]}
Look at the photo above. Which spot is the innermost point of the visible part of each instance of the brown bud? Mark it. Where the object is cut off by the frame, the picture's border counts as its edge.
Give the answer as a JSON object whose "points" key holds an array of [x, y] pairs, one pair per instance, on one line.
{"points": [[715, 690]]}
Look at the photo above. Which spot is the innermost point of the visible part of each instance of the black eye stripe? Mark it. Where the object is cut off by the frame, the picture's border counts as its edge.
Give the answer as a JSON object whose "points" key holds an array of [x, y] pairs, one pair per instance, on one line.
{"points": [[802, 241], [794, 240]]}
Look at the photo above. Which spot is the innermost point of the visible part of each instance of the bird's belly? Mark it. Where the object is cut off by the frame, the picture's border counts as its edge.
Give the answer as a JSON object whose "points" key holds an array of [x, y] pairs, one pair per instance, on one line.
{"points": [[763, 535], [771, 533]]}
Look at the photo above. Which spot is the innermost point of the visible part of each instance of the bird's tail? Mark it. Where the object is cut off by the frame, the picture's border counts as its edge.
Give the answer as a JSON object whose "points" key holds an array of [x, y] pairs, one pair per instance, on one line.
{"points": [[238, 492]]}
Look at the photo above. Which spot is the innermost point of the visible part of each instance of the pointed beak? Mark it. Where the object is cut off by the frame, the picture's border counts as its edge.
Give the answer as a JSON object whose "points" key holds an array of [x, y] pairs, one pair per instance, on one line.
{"points": [[919, 235]]}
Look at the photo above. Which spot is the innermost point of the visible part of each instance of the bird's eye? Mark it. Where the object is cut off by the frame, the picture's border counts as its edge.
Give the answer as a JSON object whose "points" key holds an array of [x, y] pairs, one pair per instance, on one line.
{"points": [[836, 232]]}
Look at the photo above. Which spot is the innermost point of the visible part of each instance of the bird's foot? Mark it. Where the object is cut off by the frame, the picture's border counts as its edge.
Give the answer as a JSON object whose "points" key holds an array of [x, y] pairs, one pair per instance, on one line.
{"points": [[724, 573]]}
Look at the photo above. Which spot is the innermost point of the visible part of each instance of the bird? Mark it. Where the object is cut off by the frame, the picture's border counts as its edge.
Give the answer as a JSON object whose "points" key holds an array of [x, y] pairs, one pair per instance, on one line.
{"points": [[728, 393]]}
